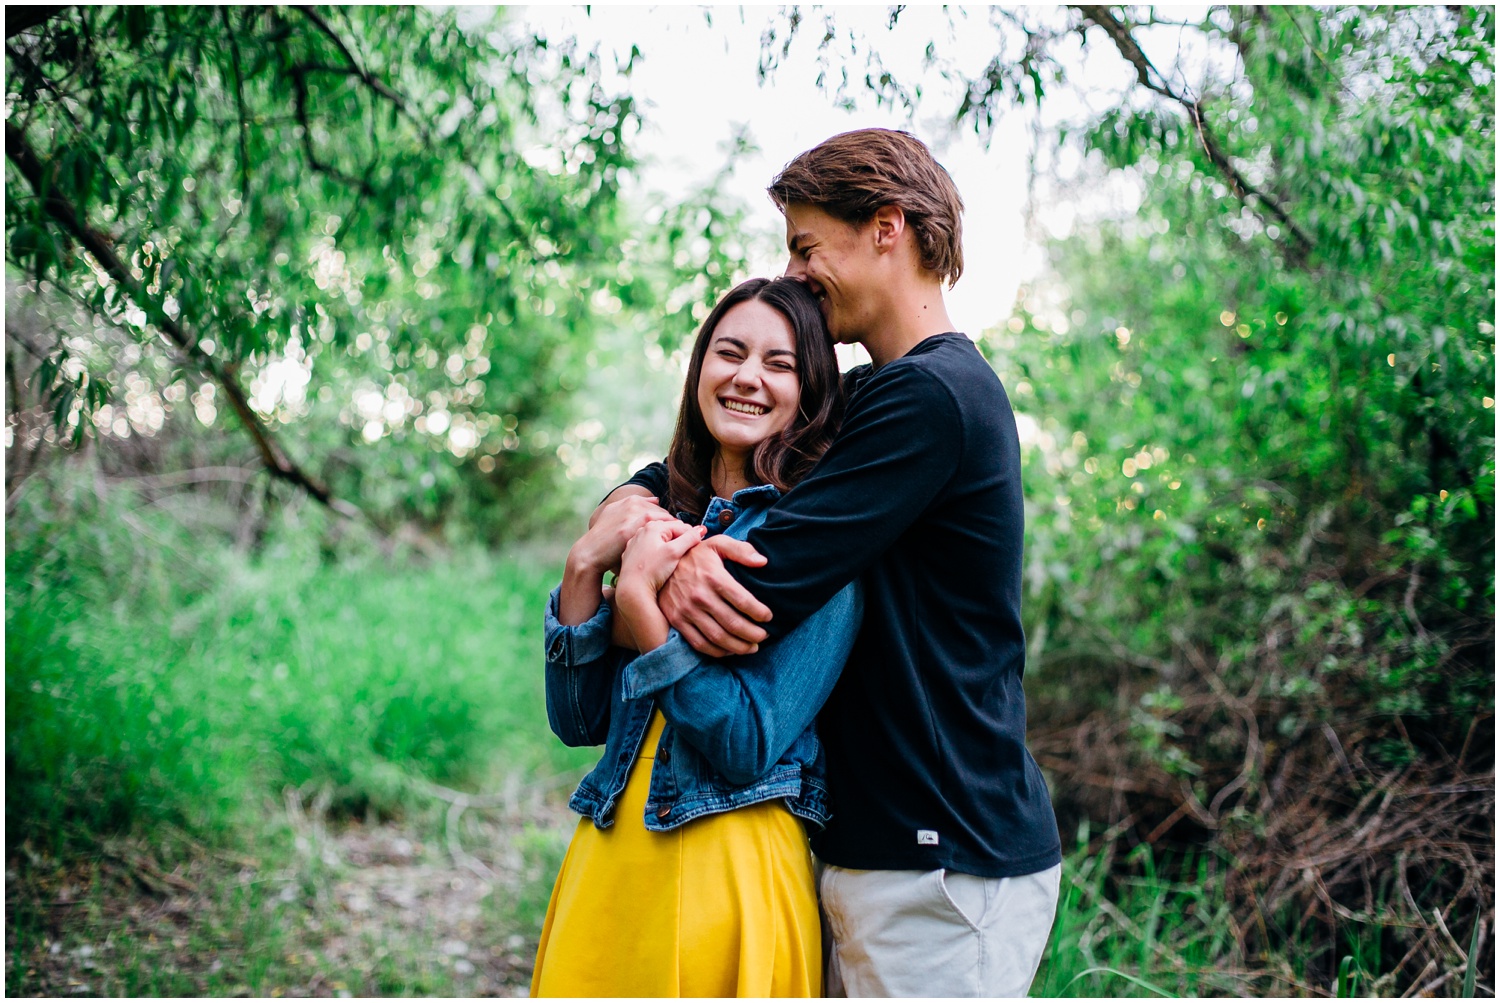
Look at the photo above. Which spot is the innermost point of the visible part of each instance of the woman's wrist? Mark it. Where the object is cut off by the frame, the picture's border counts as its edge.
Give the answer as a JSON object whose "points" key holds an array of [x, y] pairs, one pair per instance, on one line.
{"points": [[583, 561], [582, 592], [636, 602]]}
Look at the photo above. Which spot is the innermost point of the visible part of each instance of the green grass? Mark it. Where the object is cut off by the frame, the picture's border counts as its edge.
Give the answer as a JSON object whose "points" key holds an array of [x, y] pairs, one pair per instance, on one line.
{"points": [[237, 934], [1123, 929], [1132, 924], [148, 699]]}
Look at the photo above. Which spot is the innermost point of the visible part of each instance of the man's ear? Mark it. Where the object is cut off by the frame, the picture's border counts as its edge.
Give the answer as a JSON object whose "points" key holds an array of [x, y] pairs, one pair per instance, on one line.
{"points": [[889, 224]]}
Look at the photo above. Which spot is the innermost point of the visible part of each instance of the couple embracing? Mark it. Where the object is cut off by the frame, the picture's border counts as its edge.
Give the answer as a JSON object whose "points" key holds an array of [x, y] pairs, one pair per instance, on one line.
{"points": [[815, 630]]}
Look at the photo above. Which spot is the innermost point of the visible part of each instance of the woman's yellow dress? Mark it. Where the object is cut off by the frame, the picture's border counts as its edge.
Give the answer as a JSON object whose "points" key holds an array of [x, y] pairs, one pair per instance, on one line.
{"points": [[724, 905]]}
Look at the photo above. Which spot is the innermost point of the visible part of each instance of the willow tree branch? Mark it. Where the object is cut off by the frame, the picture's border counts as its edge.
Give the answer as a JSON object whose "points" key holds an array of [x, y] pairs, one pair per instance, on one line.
{"points": [[378, 86], [370, 80], [275, 459], [1149, 77]]}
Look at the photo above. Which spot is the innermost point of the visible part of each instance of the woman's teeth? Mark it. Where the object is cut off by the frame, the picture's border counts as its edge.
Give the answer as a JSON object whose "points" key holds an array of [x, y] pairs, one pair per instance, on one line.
{"points": [[744, 408]]}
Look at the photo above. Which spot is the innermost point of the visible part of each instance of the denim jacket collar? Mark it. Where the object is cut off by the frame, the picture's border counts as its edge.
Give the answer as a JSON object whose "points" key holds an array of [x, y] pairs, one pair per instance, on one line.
{"points": [[756, 498]]}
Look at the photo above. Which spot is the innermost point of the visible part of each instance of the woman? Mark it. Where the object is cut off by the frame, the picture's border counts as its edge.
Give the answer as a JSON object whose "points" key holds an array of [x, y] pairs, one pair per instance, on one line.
{"points": [[690, 874]]}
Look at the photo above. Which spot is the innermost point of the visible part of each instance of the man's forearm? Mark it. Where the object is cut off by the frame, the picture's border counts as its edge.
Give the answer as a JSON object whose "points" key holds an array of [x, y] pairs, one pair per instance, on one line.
{"points": [[744, 713]]}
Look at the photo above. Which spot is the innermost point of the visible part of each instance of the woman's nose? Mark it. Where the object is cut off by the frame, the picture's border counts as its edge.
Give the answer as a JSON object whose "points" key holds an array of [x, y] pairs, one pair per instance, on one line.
{"points": [[748, 374]]}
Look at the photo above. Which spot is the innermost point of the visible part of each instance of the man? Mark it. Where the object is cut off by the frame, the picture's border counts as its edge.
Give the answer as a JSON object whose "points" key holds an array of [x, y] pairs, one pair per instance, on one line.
{"points": [[941, 862]]}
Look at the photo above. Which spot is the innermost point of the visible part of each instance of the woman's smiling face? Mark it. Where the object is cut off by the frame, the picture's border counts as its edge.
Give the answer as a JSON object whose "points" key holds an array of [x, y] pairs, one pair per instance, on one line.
{"points": [[748, 388]]}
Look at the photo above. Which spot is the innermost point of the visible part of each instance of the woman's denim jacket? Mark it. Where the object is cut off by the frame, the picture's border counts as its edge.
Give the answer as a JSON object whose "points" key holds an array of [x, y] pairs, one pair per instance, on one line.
{"points": [[738, 730]]}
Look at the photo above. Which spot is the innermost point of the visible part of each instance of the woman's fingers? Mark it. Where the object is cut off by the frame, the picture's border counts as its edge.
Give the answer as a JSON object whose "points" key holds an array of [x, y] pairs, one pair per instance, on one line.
{"points": [[656, 548], [644, 514], [666, 531], [614, 526], [616, 497], [634, 513]]}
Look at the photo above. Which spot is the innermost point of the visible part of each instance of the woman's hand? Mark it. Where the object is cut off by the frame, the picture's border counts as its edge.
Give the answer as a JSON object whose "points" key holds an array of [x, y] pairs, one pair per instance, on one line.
{"points": [[648, 561], [600, 550], [653, 552]]}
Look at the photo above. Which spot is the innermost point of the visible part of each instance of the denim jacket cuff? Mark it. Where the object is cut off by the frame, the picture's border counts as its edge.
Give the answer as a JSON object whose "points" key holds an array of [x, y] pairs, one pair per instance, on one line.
{"points": [[660, 668], [571, 646]]}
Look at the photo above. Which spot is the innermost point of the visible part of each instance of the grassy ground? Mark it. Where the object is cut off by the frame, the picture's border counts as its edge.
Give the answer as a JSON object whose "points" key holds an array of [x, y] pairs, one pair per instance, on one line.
{"points": [[323, 910]]}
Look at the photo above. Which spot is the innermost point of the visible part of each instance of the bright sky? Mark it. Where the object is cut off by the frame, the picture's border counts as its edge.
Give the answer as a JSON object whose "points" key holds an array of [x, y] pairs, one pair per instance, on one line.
{"points": [[697, 82]]}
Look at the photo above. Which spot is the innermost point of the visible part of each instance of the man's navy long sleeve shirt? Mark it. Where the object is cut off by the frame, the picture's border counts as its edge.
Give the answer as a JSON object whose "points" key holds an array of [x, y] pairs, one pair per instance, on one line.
{"points": [[920, 494]]}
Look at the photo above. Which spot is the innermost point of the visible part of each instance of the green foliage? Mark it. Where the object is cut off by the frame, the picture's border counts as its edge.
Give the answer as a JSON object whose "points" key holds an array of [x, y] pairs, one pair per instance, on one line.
{"points": [[1257, 411], [1471, 970], [401, 229], [1217, 421], [1148, 924], [1348, 980]]}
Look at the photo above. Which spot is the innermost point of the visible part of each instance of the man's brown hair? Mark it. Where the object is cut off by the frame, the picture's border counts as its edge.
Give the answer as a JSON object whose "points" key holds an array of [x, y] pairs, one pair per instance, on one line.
{"points": [[855, 173]]}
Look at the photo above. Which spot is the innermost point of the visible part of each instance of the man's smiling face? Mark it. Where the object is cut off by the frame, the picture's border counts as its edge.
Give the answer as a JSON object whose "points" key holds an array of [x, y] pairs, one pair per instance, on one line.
{"points": [[838, 261]]}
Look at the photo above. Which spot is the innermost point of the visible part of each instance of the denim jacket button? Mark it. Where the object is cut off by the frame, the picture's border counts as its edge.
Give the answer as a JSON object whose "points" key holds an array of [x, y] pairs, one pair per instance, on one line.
{"points": [[663, 755], [726, 517], [664, 811]]}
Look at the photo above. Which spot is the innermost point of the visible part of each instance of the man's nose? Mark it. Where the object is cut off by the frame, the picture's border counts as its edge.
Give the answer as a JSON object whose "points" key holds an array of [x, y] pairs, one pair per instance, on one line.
{"points": [[795, 269]]}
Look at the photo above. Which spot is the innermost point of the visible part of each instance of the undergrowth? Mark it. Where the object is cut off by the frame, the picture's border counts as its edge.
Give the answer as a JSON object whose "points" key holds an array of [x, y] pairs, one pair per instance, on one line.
{"points": [[201, 741]]}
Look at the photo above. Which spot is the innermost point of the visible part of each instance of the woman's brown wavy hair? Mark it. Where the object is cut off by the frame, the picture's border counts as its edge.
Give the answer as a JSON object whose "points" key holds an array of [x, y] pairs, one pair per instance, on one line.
{"points": [[782, 459]]}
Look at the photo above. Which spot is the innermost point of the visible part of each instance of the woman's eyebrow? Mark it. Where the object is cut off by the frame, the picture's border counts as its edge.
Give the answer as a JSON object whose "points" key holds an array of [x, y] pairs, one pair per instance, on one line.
{"points": [[737, 343]]}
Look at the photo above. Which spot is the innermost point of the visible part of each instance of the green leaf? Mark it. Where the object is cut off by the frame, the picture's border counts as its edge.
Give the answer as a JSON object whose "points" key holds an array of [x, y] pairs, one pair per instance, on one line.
{"points": [[1347, 980], [1471, 970]]}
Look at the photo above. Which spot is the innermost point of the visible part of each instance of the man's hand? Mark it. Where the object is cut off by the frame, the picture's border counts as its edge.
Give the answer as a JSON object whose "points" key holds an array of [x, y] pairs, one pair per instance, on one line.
{"points": [[713, 612]]}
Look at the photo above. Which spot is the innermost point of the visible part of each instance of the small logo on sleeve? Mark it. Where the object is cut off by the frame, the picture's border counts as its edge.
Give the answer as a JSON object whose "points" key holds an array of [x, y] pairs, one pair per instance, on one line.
{"points": [[927, 837]]}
